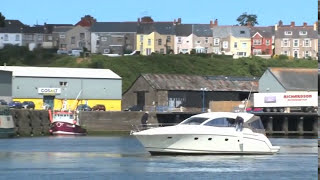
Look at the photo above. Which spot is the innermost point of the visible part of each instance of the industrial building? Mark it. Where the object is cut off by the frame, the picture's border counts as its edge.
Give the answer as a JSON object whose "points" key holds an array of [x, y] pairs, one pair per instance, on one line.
{"points": [[167, 92], [60, 87], [5, 85]]}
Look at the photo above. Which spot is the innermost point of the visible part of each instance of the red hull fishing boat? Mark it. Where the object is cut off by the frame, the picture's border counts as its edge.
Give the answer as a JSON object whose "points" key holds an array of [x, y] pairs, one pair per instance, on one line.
{"points": [[65, 123]]}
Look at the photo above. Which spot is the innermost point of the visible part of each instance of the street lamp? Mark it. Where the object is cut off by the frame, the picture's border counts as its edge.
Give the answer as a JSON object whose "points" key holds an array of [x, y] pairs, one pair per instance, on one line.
{"points": [[203, 89]]}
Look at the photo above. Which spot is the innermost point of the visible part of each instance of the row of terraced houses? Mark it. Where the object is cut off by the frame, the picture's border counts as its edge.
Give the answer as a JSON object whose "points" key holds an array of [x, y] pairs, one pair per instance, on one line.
{"points": [[147, 36]]}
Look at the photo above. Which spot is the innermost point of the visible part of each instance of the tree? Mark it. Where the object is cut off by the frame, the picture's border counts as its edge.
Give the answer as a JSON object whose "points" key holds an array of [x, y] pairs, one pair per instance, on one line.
{"points": [[244, 19], [2, 18]]}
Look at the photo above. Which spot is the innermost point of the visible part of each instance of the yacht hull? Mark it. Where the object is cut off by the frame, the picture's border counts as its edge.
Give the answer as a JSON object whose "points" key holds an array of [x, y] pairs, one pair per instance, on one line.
{"points": [[198, 144], [64, 128]]}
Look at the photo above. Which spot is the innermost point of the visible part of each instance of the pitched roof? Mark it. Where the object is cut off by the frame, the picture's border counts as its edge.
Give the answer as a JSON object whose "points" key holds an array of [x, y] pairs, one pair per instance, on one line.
{"points": [[266, 32], [160, 27], [12, 26], [202, 30], [61, 29], [195, 83], [236, 31], [37, 29], [295, 32], [296, 79], [54, 72], [13, 23], [114, 27], [183, 29]]}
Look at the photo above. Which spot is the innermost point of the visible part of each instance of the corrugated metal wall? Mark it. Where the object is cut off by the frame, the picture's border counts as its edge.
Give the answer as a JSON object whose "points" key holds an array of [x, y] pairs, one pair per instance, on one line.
{"points": [[5, 84]]}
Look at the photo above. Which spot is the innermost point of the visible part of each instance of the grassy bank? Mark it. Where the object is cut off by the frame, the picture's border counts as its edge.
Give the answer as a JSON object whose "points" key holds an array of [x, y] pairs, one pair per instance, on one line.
{"points": [[130, 67]]}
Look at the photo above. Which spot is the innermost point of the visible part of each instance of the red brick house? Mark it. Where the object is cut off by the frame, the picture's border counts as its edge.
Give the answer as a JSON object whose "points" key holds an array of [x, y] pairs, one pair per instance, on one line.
{"points": [[262, 40]]}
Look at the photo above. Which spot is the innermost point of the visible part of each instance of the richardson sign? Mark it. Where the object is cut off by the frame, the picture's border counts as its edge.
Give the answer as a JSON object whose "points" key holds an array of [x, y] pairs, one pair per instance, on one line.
{"points": [[49, 90]]}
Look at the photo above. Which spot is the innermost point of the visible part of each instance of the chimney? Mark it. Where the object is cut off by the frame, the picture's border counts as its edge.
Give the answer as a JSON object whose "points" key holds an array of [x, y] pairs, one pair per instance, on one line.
{"points": [[315, 26], [305, 24], [179, 20], [211, 24], [292, 24], [138, 20], [276, 27], [215, 22], [249, 24], [280, 23], [174, 22]]}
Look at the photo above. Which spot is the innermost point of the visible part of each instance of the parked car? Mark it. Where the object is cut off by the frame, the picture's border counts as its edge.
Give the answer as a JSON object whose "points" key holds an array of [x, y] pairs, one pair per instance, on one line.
{"points": [[83, 107], [61, 51], [28, 105], [3, 102], [99, 107], [134, 108], [15, 104]]}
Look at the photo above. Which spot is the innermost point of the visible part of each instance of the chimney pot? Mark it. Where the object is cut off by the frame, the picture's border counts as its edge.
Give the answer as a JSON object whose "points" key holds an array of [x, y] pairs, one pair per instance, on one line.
{"points": [[280, 23], [179, 20], [216, 22], [292, 24], [305, 24]]}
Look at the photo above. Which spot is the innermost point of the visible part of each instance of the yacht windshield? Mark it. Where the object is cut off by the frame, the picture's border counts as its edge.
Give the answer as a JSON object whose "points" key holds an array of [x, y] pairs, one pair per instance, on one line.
{"points": [[221, 122], [194, 121], [255, 125]]}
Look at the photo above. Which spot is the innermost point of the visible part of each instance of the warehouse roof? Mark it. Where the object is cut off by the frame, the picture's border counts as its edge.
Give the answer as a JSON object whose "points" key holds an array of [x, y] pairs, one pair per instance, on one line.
{"points": [[195, 83], [55, 72], [296, 79]]}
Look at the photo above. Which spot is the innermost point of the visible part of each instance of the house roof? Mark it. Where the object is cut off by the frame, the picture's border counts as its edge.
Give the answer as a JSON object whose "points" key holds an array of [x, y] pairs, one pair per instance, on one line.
{"points": [[37, 29], [296, 79], [62, 29], [13, 23], [54, 72], [266, 32], [183, 29], [114, 27], [195, 83], [202, 30], [12, 26], [160, 27], [225, 31], [295, 32]]}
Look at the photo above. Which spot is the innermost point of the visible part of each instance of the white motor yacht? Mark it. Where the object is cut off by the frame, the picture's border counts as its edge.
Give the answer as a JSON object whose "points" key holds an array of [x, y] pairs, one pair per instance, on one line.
{"points": [[209, 133]]}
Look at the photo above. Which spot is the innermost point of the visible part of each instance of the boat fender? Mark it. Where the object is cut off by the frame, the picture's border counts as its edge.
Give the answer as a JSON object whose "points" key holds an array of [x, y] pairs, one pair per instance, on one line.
{"points": [[74, 122], [59, 124]]}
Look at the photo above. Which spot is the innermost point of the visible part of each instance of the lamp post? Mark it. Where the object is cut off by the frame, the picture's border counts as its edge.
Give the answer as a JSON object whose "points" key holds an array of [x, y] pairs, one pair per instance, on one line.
{"points": [[203, 99]]}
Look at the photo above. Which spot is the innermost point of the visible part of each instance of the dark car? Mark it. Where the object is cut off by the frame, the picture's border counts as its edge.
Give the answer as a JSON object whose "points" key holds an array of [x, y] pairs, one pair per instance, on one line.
{"points": [[99, 107], [3, 102], [28, 105], [134, 108], [15, 104], [83, 107]]}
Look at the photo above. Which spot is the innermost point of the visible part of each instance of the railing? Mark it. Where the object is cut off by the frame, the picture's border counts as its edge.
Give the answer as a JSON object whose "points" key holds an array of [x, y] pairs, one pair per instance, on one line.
{"points": [[141, 127]]}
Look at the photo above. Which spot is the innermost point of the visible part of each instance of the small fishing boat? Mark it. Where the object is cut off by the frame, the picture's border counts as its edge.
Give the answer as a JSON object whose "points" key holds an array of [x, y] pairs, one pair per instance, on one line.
{"points": [[6, 122], [65, 123]]}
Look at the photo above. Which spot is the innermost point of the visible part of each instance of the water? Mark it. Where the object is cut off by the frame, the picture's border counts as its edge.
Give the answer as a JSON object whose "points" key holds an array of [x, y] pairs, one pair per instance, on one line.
{"points": [[123, 157]]}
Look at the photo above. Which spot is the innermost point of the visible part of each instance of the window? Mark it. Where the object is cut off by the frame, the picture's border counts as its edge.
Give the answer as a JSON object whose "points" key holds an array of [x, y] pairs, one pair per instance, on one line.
{"points": [[198, 42], [206, 50], [306, 43], [141, 38], [17, 37], [241, 54], [6, 37], [242, 32], [148, 51], [221, 122], [286, 53], [207, 40], [288, 33], [159, 41], [73, 40], [179, 40], [244, 45], [49, 38], [98, 43], [40, 37], [194, 121], [149, 41], [103, 38], [106, 51], [257, 51], [235, 45], [168, 48], [296, 43], [62, 36], [285, 43], [82, 36], [168, 38], [216, 41], [225, 44], [268, 42], [161, 51], [303, 33], [307, 54], [257, 42]]}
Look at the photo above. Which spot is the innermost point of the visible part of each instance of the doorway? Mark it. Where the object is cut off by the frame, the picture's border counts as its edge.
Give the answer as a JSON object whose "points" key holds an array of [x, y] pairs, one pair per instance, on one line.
{"points": [[48, 102], [141, 99]]}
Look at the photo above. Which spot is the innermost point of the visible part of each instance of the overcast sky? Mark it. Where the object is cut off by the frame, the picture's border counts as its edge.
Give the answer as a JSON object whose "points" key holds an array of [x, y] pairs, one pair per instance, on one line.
{"points": [[269, 12]]}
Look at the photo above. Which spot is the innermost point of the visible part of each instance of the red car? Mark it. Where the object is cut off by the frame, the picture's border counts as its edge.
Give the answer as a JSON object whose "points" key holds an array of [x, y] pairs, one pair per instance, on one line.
{"points": [[99, 107]]}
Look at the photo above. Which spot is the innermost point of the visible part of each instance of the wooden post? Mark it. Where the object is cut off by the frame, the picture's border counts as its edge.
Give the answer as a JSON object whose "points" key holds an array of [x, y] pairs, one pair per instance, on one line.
{"points": [[300, 125], [270, 125], [285, 125]]}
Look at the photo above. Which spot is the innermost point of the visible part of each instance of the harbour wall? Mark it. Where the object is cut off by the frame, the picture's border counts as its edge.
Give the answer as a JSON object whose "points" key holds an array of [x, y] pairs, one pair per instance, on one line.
{"points": [[37, 123]]}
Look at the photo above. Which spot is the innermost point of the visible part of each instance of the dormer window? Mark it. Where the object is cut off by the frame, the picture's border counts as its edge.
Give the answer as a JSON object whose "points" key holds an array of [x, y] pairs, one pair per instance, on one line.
{"points": [[288, 33], [242, 32], [303, 33]]}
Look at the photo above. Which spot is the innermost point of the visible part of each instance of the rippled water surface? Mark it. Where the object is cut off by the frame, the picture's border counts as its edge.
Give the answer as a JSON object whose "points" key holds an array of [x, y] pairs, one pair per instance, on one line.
{"points": [[123, 157]]}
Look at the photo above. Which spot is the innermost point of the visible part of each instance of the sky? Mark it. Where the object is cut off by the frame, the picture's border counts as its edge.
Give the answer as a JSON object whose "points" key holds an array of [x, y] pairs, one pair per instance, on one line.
{"points": [[269, 12]]}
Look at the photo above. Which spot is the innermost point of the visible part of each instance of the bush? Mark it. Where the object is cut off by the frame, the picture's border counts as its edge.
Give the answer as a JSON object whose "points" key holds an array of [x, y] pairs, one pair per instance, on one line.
{"points": [[283, 56]]}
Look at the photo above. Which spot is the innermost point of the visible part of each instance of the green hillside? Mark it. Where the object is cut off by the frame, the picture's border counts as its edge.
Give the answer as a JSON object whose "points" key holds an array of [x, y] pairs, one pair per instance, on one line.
{"points": [[130, 67]]}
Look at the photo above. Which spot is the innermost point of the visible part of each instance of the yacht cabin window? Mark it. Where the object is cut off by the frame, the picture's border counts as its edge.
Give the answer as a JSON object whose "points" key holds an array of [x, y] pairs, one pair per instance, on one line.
{"points": [[194, 121], [221, 122]]}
